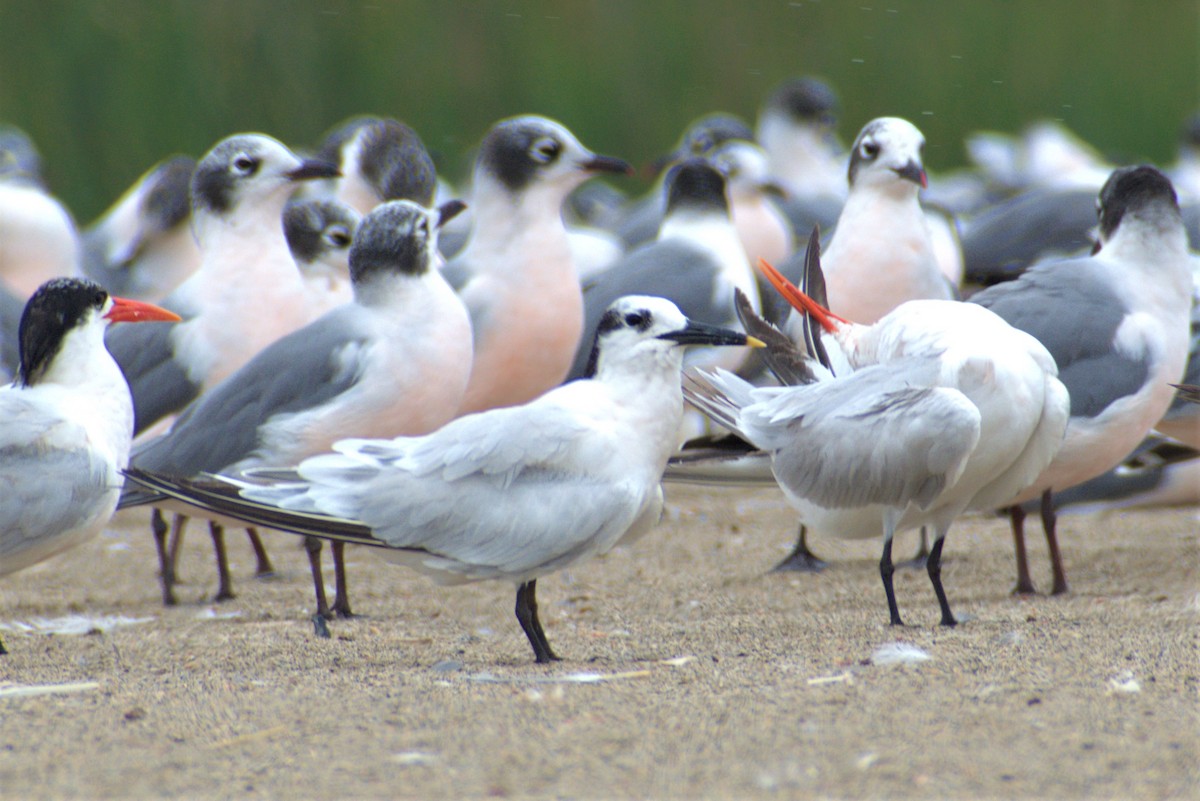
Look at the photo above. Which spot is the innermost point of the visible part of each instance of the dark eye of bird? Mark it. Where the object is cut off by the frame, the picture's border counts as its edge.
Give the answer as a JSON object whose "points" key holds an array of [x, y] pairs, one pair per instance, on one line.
{"points": [[870, 150], [635, 320], [245, 165], [339, 238], [547, 150]]}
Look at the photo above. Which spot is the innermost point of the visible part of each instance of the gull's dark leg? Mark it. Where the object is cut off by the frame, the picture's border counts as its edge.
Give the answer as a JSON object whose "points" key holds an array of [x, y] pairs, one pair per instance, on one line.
{"points": [[934, 566], [313, 546], [341, 602], [263, 567], [224, 582], [1050, 524], [921, 557], [166, 570], [527, 616], [178, 526], [1024, 583], [801, 558], [886, 569]]}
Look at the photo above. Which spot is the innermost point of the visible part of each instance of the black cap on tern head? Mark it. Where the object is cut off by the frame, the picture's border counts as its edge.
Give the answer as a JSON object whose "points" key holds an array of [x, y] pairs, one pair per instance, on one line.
{"points": [[57, 307]]}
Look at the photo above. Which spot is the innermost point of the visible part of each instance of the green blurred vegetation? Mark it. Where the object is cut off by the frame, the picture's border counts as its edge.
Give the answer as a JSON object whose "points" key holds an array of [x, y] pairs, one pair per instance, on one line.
{"points": [[109, 87]]}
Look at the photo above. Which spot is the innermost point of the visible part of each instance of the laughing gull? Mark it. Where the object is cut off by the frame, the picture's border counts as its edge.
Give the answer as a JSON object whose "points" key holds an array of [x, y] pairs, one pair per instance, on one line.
{"points": [[1117, 324], [520, 286], [65, 423], [143, 245], [380, 160], [247, 292], [395, 361], [38, 240], [319, 234], [696, 262], [882, 253], [512, 493], [935, 409]]}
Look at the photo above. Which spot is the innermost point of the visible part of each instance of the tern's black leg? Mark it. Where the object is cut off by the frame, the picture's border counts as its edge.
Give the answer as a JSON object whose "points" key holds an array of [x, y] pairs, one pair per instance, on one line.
{"points": [[1050, 524], [224, 582], [527, 616], [934, 566], [166, 571], [886, 569], [1024, 583], [313, 546], [801, 558], [921, 557], [263, 567], [341, 602]]}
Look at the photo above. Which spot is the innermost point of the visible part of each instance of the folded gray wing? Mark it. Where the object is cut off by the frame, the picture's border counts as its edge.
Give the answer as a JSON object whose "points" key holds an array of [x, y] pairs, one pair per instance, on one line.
{"points": [[45, 489], [11, 309], [865, 439], [304, 370], [1069, 308], [543, 519]]}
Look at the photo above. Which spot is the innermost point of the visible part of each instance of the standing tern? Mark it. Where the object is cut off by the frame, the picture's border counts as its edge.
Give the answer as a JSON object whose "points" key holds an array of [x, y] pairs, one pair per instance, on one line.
{"points": [[65, 423], [1117, 324], [395, 361], [513, 493], [521, 287], [932, 410]]}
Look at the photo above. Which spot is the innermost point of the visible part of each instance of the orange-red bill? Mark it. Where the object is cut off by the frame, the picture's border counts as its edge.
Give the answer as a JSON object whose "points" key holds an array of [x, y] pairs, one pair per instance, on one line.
{"points": [[800, 301], [125, 310]]}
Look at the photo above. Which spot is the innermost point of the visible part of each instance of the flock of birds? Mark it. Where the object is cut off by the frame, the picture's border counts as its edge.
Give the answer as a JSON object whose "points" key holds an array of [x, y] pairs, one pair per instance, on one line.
{"points": [[337, 346]]}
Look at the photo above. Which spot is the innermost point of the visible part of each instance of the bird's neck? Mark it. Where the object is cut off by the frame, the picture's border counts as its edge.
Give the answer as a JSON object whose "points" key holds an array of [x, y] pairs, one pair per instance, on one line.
{"points": [[507, 222]]}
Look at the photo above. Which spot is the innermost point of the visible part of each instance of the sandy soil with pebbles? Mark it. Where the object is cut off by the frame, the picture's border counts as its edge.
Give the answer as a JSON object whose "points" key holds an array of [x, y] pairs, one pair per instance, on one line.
{"points": [[690, 671]]}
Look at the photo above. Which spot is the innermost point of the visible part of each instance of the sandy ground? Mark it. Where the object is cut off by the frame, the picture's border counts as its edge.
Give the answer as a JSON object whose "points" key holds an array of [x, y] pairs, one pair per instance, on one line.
{"points": [[690, 672]]}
